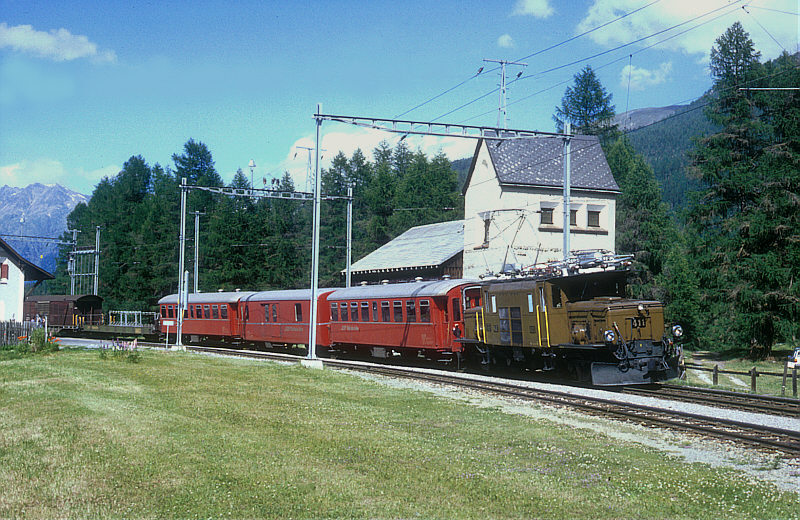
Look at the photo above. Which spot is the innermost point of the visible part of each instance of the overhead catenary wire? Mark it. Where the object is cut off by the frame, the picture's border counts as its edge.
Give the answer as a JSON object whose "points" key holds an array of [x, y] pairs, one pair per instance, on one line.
{"points": [[541, 51], [730, 8]]}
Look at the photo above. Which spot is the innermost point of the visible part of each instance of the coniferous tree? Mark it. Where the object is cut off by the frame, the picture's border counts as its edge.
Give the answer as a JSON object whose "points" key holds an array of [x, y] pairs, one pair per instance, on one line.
{"points": [[744, 221], [588, 106]]}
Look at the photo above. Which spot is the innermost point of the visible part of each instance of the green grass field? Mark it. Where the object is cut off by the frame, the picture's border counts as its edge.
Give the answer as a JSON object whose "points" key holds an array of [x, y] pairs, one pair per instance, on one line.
{"points": [[189, 436]]}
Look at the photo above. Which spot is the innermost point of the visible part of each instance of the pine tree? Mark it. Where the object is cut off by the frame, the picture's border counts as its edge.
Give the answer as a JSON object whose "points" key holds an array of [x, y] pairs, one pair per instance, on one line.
{"points": [[744, 221], [587, 105]]}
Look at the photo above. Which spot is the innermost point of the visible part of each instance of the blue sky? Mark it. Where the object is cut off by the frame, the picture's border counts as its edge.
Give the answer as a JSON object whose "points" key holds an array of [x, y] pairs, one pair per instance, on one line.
{"points": [[85, 85]]}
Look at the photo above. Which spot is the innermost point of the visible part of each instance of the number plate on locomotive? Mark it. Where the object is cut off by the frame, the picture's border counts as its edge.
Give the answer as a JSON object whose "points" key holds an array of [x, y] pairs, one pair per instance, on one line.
{"points": [[638, 322]]}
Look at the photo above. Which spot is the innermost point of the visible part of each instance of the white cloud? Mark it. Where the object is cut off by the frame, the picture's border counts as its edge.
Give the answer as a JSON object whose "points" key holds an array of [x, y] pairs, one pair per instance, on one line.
{"points": [[51, 171], [641, 78], [56, 45], [505, 41], [536, 8], [697, 41], [348, 141]]}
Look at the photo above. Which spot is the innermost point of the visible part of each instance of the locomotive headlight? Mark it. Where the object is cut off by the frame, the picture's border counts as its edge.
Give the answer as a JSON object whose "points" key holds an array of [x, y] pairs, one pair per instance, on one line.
{"points": [[640, 308], [609, 336], [677, 331]]}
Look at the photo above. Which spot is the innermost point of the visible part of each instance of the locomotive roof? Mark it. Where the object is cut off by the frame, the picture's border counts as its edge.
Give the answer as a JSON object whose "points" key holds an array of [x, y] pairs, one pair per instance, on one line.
{"points": [[208, 297], [284, 295], [428, 288]]}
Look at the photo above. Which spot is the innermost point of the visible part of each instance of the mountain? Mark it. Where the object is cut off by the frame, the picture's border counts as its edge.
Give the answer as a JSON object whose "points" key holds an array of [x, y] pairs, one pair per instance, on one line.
{"points": [[38, 210], [644, 116]]}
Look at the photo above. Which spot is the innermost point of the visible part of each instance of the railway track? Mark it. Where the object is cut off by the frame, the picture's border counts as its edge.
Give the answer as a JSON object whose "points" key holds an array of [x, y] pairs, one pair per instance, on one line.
{"points": [[759, 436], [782, 406]]}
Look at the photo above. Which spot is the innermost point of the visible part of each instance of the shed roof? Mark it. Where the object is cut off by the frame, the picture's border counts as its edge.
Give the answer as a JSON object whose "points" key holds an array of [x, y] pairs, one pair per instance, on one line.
{"points": [[539, 161], [422, 246]]}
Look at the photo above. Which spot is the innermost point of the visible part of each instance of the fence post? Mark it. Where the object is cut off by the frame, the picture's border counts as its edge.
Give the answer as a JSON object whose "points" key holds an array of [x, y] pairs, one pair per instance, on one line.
{"points": [[715, 377], [794, 381], [753, 376], [785, 373]]}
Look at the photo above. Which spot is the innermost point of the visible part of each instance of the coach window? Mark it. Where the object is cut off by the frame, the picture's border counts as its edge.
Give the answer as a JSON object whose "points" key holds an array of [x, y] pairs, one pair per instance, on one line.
{"points": [[206, 311], [246, 313], [343, 310], [198, 311], [374, 311], [334, 312], [298, 312], [424, 311], [456, 309], [398, 311], [364, 311], [266, 312], [215, 312], [386, 315], [163, 311], [191, 311], [170, 312], [411, 311], [275, 312], [223, 310], [353, 311]]}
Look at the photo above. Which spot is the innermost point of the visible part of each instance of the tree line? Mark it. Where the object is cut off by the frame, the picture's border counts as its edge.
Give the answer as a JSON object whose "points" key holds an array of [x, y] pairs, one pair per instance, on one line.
{"points": [[249, 243]]}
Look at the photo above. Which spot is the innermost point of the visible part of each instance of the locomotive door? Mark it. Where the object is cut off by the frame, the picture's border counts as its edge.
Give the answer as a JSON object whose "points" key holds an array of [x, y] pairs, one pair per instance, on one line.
{"points": [[542, 318]]}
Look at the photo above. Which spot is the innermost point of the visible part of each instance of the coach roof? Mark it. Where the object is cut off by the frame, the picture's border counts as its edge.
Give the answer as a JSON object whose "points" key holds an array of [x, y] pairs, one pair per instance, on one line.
{"points": [[208, 297], [398, 290], [286, 295]]}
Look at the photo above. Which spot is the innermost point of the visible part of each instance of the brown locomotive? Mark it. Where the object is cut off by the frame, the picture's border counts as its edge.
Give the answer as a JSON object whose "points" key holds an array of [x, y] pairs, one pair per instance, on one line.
{"points": [[580, 322]]}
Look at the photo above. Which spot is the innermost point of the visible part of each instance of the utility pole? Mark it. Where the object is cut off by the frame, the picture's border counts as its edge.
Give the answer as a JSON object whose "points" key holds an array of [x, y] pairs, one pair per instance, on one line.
{"points": [[349, 231], [567, 173], [182, 239], [502, 112], [309, 149], [312, 328], [252, 166], [71, 261], [96, 259], [197, 248]]}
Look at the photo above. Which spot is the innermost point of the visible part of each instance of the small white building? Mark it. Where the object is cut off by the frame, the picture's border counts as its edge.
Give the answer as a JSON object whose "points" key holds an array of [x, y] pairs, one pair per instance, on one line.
{"points": [[514, 210], [14, 272]]}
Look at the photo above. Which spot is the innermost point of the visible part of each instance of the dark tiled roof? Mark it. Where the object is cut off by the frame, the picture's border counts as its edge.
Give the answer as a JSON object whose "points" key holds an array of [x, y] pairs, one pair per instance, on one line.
{"points": [[539, 161], [421, 246], [29, 269]]}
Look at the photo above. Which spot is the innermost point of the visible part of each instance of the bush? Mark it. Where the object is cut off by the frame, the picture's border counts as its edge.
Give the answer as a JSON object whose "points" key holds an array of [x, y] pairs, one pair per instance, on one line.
{"points": [[121, 351]]}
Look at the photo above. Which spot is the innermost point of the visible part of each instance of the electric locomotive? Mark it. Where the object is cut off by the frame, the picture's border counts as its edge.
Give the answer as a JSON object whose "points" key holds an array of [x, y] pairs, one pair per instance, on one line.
{"points": [[577, 321]]}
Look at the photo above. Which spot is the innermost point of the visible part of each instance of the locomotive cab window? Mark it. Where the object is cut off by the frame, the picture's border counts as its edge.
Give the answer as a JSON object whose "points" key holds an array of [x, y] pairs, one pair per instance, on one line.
{"points": [[424, 311], [411, 311], [334, 312], [386, 314], [556, 296], [298, 312]]}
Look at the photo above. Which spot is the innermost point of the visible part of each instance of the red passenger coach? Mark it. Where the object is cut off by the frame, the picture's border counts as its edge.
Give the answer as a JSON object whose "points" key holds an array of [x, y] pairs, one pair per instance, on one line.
{"points": [[406, 318], [280, 318], [209, 316]]}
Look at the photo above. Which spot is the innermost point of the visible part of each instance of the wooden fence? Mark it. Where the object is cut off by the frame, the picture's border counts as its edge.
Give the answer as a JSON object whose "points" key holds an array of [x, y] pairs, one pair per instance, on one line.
{"points": [[11, 331], [754, 374]]}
